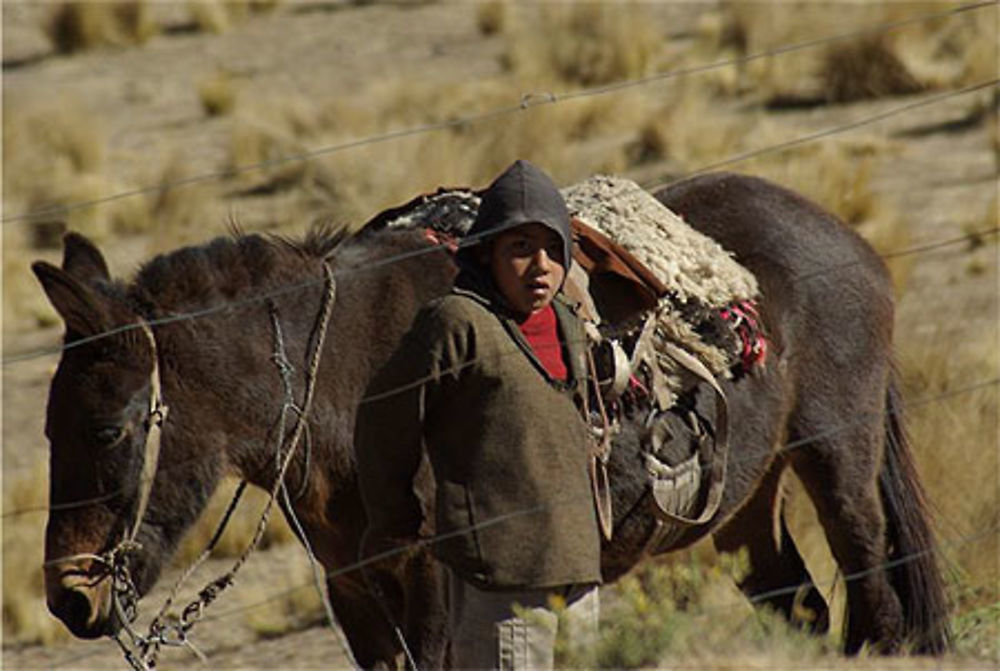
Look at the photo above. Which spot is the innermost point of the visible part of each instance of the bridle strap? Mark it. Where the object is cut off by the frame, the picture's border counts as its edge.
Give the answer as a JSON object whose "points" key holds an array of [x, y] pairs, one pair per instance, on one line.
{"points": [[154, 425], [151, 456]]}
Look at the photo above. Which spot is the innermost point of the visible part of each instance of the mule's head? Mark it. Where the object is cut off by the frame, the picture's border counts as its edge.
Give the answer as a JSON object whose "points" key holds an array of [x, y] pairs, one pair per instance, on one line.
{"points": [[96, 424]]}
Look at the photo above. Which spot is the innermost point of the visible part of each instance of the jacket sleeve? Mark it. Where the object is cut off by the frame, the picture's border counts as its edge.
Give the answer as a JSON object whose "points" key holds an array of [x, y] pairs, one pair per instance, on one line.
{"points": [[388, 441]]}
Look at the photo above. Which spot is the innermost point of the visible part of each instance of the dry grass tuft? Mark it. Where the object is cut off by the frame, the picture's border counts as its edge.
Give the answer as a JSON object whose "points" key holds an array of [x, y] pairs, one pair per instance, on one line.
{"points": [[982, 53], [240, 529], [77, 26], [352, 185], [298, 603], [865, 68], [692, 130], [213, 16], [41, 137], [685, 611], [491, 17], [26, 619], [24, 303], [180, 214], [940, 53], [268, 135], [54, 155], [586, 44], [219, 16], [949, 53], [954, 439], [218, 94]]}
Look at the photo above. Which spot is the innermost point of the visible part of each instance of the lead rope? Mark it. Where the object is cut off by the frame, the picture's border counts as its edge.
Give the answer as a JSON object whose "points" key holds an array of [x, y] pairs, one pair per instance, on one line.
{"points": [[285, 369], [159, 633], [599, 458]]}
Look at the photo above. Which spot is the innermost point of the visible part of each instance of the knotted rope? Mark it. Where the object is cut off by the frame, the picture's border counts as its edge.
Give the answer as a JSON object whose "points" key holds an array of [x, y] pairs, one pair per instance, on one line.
{"points": [[144, 649]]}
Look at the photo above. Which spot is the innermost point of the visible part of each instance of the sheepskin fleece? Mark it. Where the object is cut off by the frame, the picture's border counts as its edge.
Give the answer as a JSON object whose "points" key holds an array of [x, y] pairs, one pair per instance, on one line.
{"points": [[701, 275], [693, 265]]}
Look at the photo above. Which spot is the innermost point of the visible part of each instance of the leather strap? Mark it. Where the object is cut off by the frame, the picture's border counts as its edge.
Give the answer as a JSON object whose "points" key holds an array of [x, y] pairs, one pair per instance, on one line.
{"points": [[714, 453], [154, 424]]}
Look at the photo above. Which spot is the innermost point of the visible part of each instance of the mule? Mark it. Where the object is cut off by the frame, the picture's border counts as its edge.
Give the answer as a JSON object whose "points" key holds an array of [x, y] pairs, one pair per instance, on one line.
{"points": [[827, 388]]}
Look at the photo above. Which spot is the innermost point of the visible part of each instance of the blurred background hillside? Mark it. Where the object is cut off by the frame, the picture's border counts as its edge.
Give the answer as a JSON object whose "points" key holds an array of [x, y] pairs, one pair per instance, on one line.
{"points": [[153, 125]]}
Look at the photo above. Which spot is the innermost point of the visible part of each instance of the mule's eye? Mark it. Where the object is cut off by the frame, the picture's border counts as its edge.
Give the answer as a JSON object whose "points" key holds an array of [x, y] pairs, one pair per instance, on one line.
{"points": [[109, 436]]}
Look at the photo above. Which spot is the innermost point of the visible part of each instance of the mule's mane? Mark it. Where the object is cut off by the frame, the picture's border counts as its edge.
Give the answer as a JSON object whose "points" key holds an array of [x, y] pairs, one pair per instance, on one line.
{"points": [[320, 241], [229, 266]]}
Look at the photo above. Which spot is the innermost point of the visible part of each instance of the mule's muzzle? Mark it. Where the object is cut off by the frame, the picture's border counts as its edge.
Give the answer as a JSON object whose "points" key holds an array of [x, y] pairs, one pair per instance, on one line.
{"points": [[78, 592]]}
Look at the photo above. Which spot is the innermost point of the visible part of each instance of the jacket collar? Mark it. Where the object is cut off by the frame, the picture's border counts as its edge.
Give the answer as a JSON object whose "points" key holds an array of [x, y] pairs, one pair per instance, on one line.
{"points": [[474, 287]]}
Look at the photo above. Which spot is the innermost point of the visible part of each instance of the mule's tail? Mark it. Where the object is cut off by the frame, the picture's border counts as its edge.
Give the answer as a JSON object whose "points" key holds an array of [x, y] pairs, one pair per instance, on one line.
{"points": [[913, 551]]}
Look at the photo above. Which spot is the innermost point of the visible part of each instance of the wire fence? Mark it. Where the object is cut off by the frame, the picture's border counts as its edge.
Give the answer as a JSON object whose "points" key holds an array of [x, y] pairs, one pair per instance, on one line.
{"points": [[948, 545], [788, 447], [527, 101], [169, 466], [812, 137], [381, 263]]}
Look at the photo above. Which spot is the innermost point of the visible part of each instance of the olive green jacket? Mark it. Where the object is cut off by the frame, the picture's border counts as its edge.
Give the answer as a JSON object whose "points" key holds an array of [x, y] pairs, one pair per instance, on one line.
{"points": [[508, 447]]}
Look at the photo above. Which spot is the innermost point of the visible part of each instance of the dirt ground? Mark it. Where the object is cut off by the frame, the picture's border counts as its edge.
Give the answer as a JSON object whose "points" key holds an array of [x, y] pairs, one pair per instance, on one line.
{"points": [[146, 97]]}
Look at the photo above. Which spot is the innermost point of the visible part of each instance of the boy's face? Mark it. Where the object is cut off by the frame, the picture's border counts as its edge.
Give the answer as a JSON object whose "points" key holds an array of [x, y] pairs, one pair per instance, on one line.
{"points": [[527, 266]]}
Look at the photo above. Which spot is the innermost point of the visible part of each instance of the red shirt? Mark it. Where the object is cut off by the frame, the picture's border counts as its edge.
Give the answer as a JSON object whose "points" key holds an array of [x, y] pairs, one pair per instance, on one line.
{"points": [[542, 332]]}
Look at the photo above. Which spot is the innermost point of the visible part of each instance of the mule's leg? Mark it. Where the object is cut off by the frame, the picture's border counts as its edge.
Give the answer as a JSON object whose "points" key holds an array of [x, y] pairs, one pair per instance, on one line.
{"points": [[777, 574], [839, 466], [368, 631], [426, 611]]}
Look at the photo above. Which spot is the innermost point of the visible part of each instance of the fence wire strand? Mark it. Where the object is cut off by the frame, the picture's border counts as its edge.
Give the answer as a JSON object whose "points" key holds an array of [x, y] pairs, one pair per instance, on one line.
{"points": [[528, 101], [177, 465], [280, 291], [783, 450]]}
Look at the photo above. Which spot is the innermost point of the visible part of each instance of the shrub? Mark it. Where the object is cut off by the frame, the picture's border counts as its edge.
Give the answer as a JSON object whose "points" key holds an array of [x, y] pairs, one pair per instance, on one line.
{"points": [[948, 51], [682, 611], [80, 25], [865, 68], [240, 529], [25, 616], [491, 17], [586, 44], [213, 16], [217, 94]]}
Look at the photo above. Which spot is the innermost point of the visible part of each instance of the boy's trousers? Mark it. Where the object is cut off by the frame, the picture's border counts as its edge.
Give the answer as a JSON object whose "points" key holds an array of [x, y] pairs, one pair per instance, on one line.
{"points": [[486, 633]]}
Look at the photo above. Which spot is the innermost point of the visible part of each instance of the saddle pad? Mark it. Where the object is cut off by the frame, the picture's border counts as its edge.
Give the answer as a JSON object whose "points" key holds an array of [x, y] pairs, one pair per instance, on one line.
{"points": [[692, 265]]}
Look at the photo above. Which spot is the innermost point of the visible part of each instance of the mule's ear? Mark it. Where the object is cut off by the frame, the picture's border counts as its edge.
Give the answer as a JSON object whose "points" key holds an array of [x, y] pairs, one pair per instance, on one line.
{"points": [[79, 306], [83, 260]]}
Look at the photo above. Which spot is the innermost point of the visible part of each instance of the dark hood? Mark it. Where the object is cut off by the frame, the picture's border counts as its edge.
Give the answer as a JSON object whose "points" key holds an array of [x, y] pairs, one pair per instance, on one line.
{"points": [[522, 194]]}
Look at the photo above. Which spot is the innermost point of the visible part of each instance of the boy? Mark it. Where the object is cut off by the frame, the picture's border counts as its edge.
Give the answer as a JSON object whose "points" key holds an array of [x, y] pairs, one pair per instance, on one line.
{"points": [[485, 382]]}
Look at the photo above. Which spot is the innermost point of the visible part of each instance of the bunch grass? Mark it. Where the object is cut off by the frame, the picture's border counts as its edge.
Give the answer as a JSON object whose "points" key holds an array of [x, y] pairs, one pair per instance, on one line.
{"points": [[240, 529], [26, 619], [583, 44], [80, 25]]}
